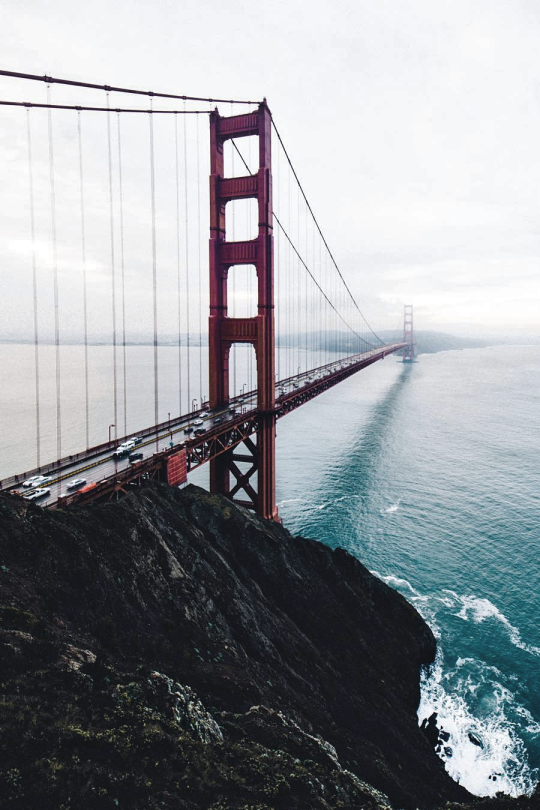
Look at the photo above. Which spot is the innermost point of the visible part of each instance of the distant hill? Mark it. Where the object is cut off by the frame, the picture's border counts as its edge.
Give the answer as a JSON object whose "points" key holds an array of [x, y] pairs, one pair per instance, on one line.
{"points": [[428, 342]]}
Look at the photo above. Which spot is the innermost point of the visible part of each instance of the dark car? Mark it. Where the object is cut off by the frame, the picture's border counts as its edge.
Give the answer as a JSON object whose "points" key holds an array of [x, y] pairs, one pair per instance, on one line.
{"points": [[135, 456], [200, 431]]}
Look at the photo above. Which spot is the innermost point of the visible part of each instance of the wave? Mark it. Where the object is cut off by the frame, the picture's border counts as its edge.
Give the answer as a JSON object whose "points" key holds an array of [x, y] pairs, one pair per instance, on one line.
{"points": [[475, 704], [393, 508], [291, 500], [478, 610], [335, 500], [483, 753]]}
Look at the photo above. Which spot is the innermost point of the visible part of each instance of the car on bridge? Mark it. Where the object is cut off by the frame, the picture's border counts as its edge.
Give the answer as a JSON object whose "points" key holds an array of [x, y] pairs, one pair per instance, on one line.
{"points": [[135, 456], [35, 494], [76, 483], [197, 421], [123, 449], [36, 480], [137, 439], [200, 431]]}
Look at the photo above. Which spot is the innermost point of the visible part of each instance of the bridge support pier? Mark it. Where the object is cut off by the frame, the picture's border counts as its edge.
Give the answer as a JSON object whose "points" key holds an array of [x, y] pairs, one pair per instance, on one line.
{"points": [[224, 331]]}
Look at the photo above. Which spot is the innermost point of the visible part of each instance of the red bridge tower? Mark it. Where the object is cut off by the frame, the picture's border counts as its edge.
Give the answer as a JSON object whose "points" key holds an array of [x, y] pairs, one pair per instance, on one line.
{"points": [[408, 336], [256, 486]]}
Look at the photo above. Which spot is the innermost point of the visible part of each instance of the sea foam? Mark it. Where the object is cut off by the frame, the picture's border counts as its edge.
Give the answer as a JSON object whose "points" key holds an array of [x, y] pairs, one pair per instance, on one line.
{"points": [[477, 609], [483, 751]]}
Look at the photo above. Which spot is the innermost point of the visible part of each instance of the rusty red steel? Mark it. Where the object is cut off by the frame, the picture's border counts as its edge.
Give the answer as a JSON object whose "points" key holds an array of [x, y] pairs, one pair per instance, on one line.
{"points": [[256, 487]]}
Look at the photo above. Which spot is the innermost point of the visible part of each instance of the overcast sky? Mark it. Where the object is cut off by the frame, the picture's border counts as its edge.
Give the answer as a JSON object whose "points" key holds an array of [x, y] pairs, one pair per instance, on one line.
{"points": [[414, 126]]}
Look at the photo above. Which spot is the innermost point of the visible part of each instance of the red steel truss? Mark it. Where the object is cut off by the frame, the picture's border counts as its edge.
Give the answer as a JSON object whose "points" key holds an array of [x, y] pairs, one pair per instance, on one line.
{"points": [[224, 330]]}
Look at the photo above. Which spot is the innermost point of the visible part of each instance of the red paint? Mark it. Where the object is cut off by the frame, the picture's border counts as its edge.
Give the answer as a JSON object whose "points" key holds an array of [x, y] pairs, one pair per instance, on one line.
{"points": [[258, 331], [177, 469]]}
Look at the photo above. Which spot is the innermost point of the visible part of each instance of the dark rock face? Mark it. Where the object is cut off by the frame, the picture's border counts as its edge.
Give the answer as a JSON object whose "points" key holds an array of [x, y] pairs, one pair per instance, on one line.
{"points": [[171, 650]]}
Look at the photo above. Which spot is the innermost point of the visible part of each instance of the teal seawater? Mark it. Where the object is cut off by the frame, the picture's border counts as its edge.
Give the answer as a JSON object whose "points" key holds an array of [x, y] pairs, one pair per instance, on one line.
{"points": [[430, 474]]}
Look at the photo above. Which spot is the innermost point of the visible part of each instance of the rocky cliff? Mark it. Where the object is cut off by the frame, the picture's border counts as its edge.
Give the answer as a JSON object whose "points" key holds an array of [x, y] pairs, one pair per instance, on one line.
{"points": [[171, 650]]}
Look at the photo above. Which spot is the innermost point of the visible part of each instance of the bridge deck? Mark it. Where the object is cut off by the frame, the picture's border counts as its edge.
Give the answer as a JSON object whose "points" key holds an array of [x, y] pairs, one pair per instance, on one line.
{"points": [[222, 430]]}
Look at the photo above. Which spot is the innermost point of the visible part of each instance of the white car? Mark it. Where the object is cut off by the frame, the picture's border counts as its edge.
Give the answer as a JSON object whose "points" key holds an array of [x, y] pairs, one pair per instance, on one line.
{"points": [[42, 492], [76, 483], [136, 439], [198, 422], [37, 480], [31, 482]]}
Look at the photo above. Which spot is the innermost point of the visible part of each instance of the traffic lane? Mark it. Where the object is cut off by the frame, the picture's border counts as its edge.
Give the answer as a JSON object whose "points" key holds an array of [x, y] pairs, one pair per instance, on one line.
{"points": [[105, 465], [108, 465]]}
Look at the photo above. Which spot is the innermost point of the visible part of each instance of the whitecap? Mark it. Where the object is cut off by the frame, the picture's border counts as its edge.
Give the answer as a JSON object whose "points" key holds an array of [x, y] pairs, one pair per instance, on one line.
{"points": [[393, 508], [484, 754], [335, 500], [478, 610]]}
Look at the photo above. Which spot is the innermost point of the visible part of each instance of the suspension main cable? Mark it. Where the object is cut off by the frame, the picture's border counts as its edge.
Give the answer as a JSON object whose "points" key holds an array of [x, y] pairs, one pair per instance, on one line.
{"points": [[305, 265], [34, 286], [336, 311], [82, 108], [320, 231], [90, 85]]}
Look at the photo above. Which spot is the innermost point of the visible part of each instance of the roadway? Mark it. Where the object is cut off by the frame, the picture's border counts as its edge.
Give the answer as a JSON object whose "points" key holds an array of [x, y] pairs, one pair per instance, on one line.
{"points": [[99, 464]]}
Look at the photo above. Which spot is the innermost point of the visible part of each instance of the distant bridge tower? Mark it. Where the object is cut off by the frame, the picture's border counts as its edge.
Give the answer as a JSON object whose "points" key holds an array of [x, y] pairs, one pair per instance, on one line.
{"points": [[256, 486], [408, 336]]}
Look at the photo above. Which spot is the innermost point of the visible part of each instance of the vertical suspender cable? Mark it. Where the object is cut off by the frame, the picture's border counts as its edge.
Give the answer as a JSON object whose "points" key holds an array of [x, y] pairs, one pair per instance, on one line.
{"points": [[113, 274], [85, 287], [277, 275], [186, 213], [250, 278], [306, 303], [122, 268], [199, 276], [55, 283], [233, 228], [154, 272], [34, 284], [178, 272], [289, 282]]}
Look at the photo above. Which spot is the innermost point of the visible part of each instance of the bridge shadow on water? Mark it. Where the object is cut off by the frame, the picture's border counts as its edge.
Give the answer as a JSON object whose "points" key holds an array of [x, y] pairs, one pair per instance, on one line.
{"points": [[349, 481]]}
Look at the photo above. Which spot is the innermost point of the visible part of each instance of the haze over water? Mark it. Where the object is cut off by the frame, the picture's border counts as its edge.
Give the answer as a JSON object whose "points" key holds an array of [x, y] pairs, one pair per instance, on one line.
{"points": [[430, 474]]}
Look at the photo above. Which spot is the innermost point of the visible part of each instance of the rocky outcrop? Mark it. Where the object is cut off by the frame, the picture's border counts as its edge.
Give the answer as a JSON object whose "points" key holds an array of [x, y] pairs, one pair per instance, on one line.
{"points": [[171, 650]]}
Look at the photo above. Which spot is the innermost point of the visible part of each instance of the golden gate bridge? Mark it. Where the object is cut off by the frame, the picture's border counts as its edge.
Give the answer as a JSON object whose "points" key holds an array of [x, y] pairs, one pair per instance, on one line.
{"points": [[107, 204]]}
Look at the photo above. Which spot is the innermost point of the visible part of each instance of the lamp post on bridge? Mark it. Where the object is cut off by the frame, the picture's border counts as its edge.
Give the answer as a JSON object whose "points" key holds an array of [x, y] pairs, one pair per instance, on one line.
{"points": [[194, 404], [110, 426]]}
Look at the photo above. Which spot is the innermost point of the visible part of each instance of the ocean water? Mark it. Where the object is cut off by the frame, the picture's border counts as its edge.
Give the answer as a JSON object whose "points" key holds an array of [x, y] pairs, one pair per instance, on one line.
{"points": [[430, 474]]}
